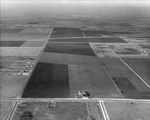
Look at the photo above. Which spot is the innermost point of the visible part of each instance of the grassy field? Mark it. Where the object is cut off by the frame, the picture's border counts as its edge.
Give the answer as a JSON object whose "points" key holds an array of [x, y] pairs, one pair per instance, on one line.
{"points": [[11, 85], [5, 107], [64, 110], [128, 110]]}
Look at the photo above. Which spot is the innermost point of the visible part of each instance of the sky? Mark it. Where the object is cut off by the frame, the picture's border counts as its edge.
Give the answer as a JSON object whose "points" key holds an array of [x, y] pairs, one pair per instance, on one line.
{"points": [[89, 8]]}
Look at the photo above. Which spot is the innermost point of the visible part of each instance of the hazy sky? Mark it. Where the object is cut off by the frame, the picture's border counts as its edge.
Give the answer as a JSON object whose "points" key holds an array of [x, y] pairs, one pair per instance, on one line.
{"points": [[96, 8]]}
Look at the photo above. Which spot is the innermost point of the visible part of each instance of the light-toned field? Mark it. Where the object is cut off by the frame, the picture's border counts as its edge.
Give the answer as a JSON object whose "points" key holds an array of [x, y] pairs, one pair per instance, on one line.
{"points": [[23, 37], [5, 107], [20, 51], [64, 110], [33, 44], [102, 50], [12, 84], [128, 110], [93, 79]]}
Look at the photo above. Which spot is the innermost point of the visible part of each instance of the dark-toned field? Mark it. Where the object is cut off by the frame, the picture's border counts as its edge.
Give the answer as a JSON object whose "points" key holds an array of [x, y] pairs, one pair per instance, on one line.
{"points": [[117, 68], [70, 59], [146, 46], [141, 66], [11, 43], [33, 22], [123, 32], [10, 30], [68, 40], [96, 33], [48, 81], [128, 90], [91, 39], [66, 32], [107, 40], [70, 48]]}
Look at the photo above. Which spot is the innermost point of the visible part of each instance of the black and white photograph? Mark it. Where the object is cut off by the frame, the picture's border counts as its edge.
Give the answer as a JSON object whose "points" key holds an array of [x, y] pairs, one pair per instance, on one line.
{"points": [[74, 59]]}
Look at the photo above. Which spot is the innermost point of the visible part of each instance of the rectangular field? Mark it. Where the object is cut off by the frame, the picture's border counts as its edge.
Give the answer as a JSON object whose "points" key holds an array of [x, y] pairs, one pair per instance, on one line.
{"points": [[33, 44], [70, 48], [107, 40], [5, 107], [11, 84], [141, 66], [48, 81], [70, 59], [11, 43], [10, 30], [23, 37], [93, 79], [20, 51], [128, 90], [117, 68], [128, 110], [97, 33], [68, 40], [66, 32], [65, 110]]}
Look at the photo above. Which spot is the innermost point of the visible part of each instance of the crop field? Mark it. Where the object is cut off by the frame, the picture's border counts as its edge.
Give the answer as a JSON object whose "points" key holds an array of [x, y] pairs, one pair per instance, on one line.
{"points": [[68, 40], [128, 90], [123, 32], [141, 66], [11, 30], [33, 44], [117, 68], [62, 81], [48, 81], [11, 43], [23, 37], [107, 40], [69, 48], [97, 33], [66, 32], [43, 67], [93, 79], [70, 59], [21, 51]]}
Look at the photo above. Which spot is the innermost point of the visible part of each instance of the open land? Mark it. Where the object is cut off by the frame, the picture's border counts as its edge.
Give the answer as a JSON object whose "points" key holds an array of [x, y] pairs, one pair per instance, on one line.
{"points": [[43, 67]]}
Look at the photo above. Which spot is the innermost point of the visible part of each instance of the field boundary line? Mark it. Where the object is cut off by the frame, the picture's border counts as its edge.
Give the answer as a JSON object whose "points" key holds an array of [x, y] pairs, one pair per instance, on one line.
{"points": [[104, 112], [131, 69]]}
